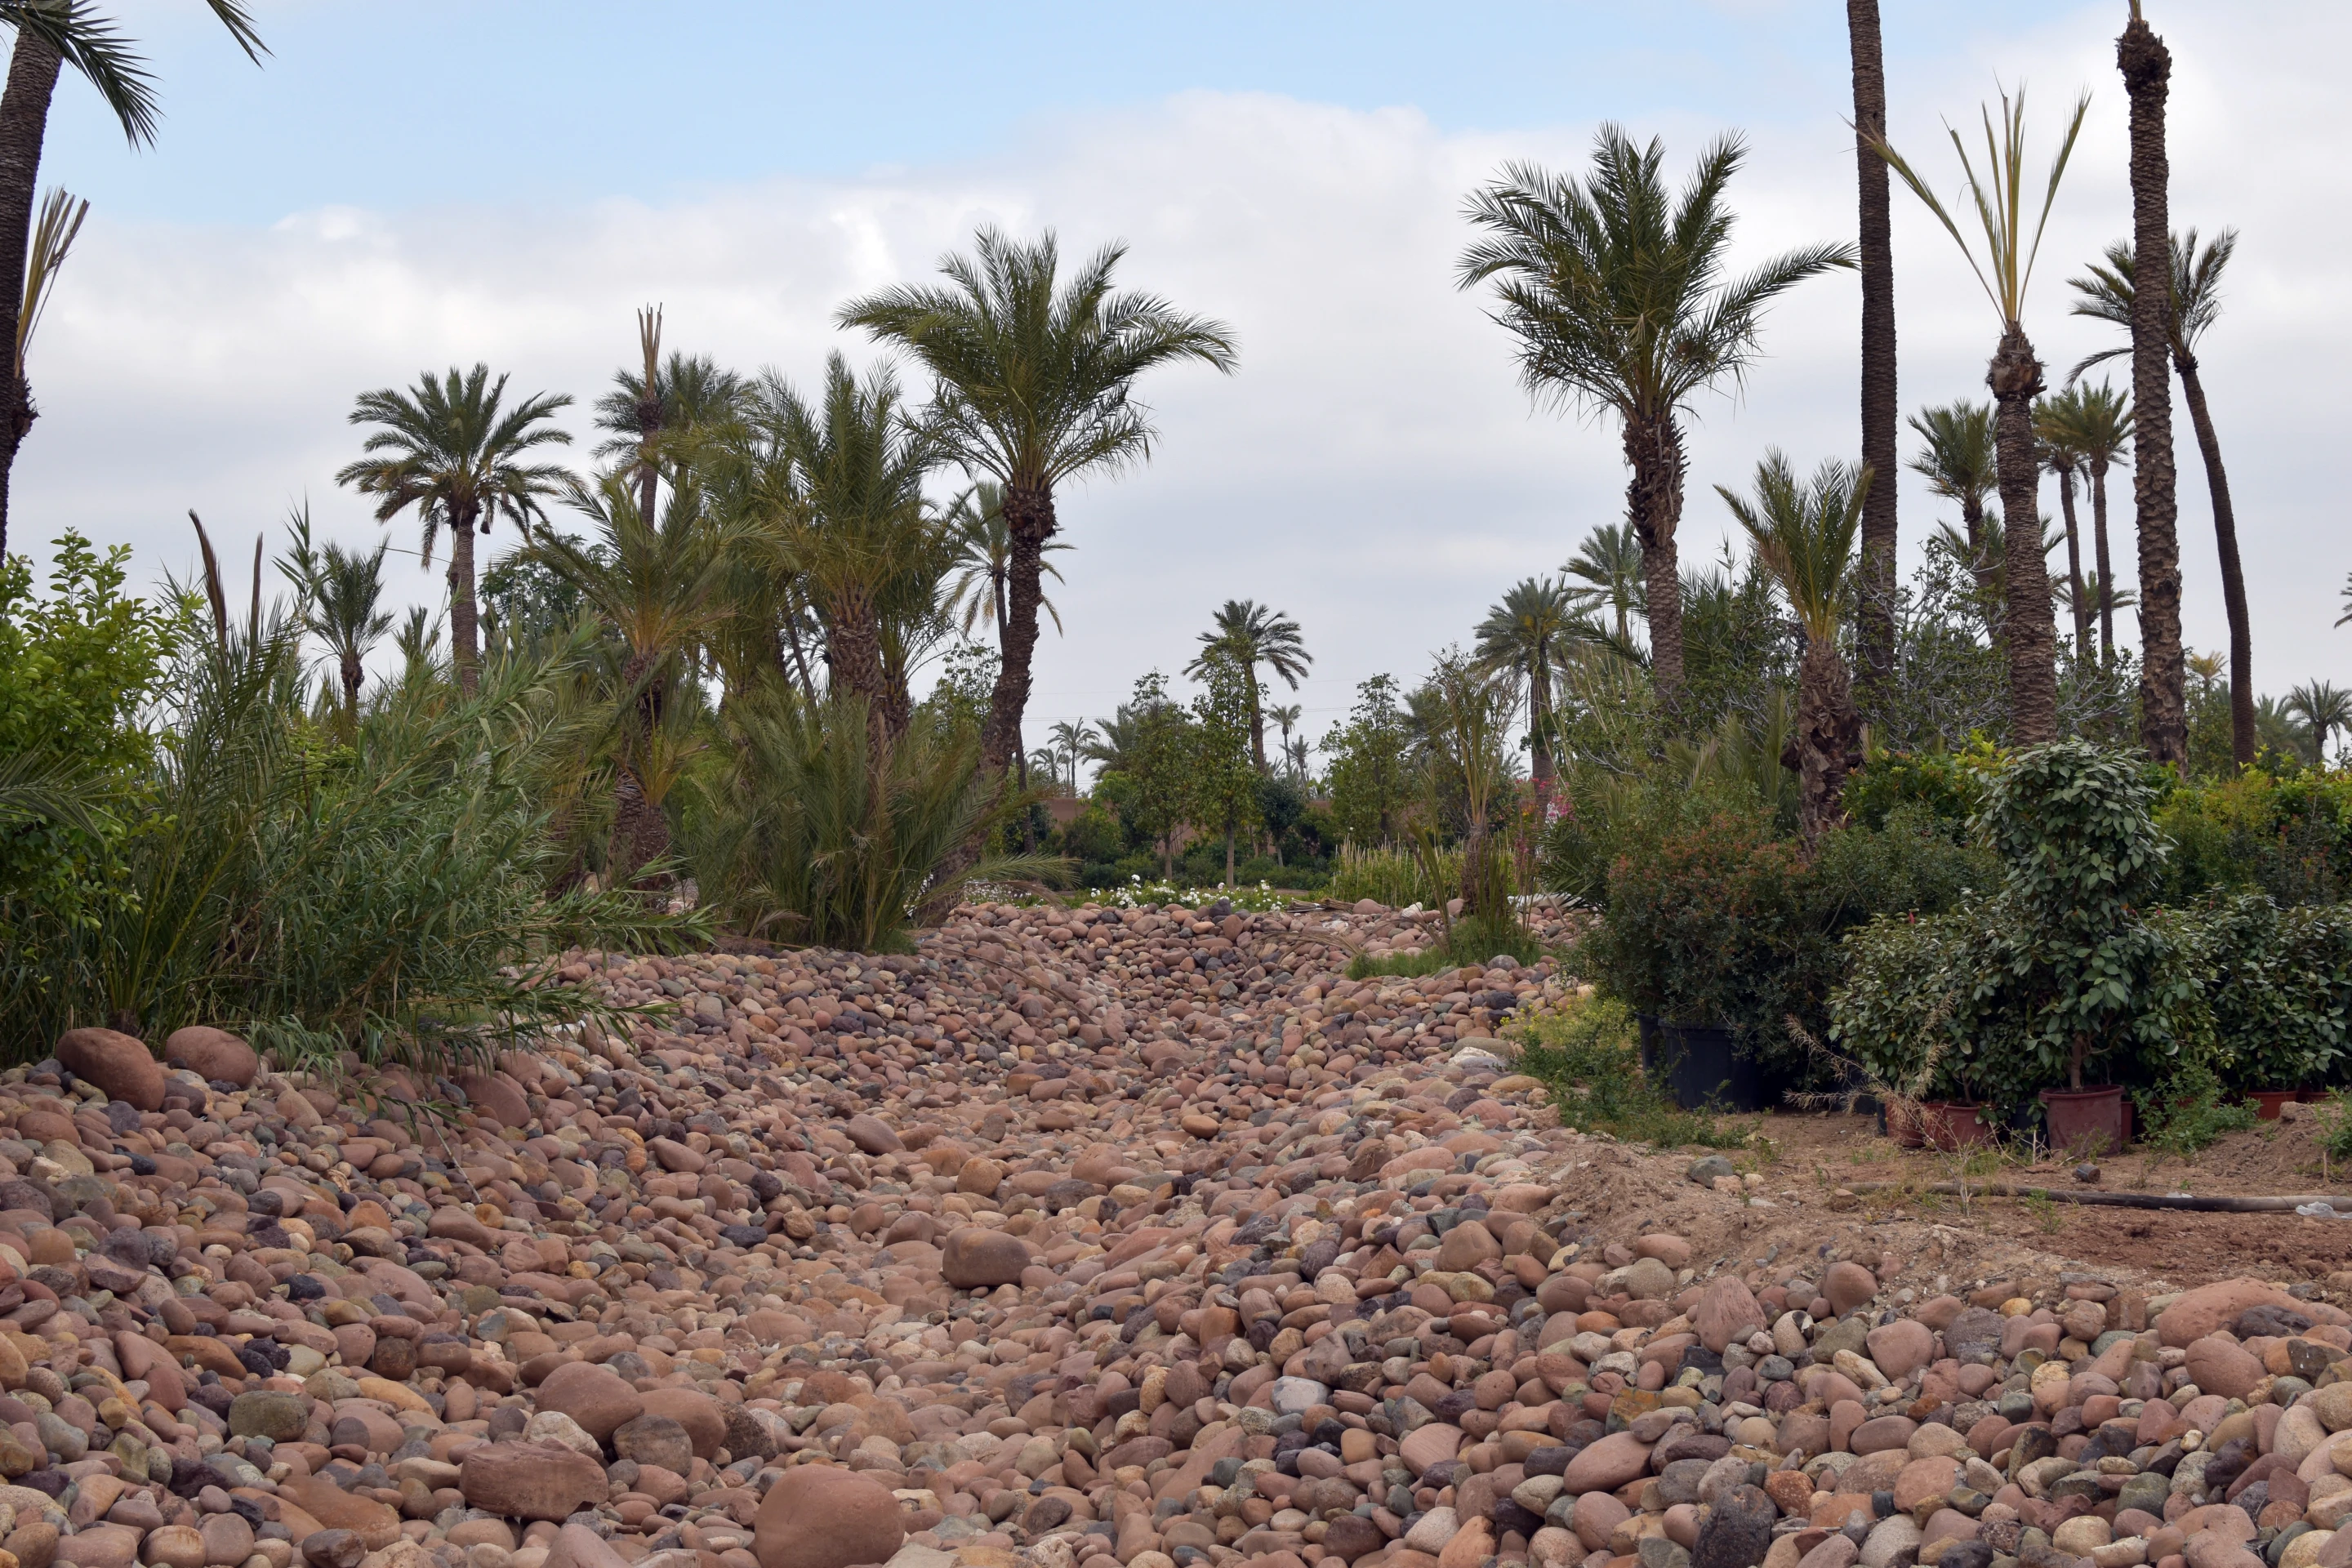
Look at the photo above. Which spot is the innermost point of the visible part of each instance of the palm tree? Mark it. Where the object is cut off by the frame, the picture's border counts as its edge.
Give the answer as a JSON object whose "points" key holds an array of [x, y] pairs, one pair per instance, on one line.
{"points": [[2054, 433], [1252, 634], [1286, 719], [1879, 401], [1524, 635], [1607, 573], [655, 582], [1616, 294], [674, 414], [419, 641], [2327, 708], [2098, 425], [1959, 465], [449, 449], [51, 35], [2028, 630], [1071, 740], [1804, 534], [2107, 295], [1034, 385], [336, 593], [2146, 67], [846, 506], [983, 561]]}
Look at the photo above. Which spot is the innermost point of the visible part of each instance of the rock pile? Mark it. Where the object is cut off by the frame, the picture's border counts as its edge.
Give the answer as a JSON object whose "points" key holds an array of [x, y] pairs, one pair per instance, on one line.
{"points": [[1075, 1237]]}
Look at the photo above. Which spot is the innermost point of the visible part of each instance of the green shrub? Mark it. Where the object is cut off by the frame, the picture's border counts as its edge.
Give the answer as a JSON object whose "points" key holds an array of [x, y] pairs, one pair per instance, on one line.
{"points": [[1948, 787], [1399, 877], [2276, 984], [2288, 836], [1588, 1056]]}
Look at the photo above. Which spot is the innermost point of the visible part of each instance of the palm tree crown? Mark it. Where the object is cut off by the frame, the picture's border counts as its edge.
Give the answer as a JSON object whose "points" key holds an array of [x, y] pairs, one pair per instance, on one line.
{"points": [[1607, 573], [1524, 635], [1251, 634], [451, 449]]}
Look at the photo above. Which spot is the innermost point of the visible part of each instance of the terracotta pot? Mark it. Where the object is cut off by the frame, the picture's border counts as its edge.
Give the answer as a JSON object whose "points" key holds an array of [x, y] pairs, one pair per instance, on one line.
{"points": [[2268, 1101], [1905, 1122], [1949, 1124], [2080, 1119]]}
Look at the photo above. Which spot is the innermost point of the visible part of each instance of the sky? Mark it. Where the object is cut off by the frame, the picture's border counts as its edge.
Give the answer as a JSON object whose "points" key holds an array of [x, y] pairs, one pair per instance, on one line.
{"points": [[402, 188]]}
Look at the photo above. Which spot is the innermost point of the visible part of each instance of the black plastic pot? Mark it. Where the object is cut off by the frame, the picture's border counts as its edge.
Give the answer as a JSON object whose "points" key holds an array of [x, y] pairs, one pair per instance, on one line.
{"points": [[1699, 1068]]}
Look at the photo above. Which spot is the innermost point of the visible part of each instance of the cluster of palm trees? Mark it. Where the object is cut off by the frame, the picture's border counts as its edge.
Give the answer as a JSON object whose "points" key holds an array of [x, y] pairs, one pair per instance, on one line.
{"points": [[744, 534]]}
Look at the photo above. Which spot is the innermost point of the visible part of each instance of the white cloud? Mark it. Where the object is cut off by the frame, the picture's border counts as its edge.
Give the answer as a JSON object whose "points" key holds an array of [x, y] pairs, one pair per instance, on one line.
{"points": [[1373, 470]]}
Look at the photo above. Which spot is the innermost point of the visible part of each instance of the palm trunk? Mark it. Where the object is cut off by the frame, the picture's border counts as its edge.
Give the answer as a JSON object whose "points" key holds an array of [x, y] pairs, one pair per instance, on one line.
{"points": [[352, 675], [2243, 743], [465, 644], [2081, 599], [24, 120], [1988, 589], [2146, 67], [2106, 568], [1229, 853], [1257, 719], [1829, 736], [2029, 631], [1540, 721], [640, 830], [1654, 502], [856, 644], [1878, 387]]}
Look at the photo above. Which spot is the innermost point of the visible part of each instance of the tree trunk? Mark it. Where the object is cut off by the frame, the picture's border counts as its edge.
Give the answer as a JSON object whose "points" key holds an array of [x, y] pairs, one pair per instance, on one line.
{"points": [[464, 641], [856, 644], [1029, 522], [1540, 721], [2029, 631], [1829, 740], [352, 674], [1878, 389], [1654, 499], [24, 119], [2106, 568], [2244, 741], [1257, 719], [640, 830], [2146, 67], [1229, 854], [2081, 597]]}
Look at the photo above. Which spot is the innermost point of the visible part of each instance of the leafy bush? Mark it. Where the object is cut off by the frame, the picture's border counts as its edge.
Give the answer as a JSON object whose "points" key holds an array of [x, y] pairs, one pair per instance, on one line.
{"points": [[1588, 1056], [2276, 984], [2288, 836], [2190, 1111], [1948, 787], [1399, 877]]}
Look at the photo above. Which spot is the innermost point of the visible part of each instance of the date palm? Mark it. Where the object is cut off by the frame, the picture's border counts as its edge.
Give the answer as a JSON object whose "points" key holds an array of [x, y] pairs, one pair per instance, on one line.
{"points": [[1525, 635], [1804, 533], [1286, 719], [49, 35], [982, 566], [2097, 421], [2107, 294], [693, 412], [336, 594], [2327, 708], [1616, 293], [1251, 634], [1959, 464], [1879, 399], [451, 449], [1034, 380], [2053, 434], [655, 582], [1071, 740], [2027, 631], [1605, 576], [2146, 67]]}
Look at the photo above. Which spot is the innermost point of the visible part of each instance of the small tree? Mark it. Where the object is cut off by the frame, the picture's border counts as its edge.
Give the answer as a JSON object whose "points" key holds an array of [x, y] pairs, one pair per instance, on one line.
{"points": [[1370, 774], [1223, 786], [1149, 783]]}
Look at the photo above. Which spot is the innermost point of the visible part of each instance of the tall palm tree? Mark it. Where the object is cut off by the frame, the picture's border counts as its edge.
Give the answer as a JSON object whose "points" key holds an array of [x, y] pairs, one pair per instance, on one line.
{"points": [[2146, 67], [1034, 385], [846, 506], [655, 582], [1804, 534], [1606, 577], [982, 567], [2098, 426], [2327, 708], [336, 594], [2108, 295], [1525, 635], [1879, 401], [449, 448], [2027, 631], [1615, 291], [1959, 464], [2054, 434], [1251, 634], [49, 35], [1071, 740], [674, 416]]}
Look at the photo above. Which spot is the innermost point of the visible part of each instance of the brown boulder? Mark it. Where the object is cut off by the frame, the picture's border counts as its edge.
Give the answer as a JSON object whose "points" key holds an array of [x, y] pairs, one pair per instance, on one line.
{"points": [[377, 1525], [974, 1258], [213, 1055], [1607, 1464], [118, 1064], [1848, 1286], [704, 1420], [872, 1134], [1726, 1313], [2217, 1365], [497, 1097], [594, 1395], [2197, 1313], [530, 1480], [819, 1516]]}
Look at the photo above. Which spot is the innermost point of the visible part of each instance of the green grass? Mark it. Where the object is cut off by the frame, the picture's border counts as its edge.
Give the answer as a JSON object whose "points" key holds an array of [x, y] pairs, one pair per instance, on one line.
{"points": [[1586, 1054], [1471, 942]]}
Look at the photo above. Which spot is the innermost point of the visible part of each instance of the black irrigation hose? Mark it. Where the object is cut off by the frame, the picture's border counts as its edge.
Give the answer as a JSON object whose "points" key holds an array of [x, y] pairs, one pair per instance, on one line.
{"points": [[2342, 1205]]}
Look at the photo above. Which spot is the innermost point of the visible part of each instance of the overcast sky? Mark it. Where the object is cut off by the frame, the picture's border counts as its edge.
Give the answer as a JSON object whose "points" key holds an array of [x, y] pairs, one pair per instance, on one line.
{"points": [[404, 187]]}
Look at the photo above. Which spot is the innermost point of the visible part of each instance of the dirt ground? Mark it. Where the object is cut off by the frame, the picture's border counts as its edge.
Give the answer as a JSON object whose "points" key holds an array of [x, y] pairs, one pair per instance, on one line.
{"points": [[1794, 1206]]}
